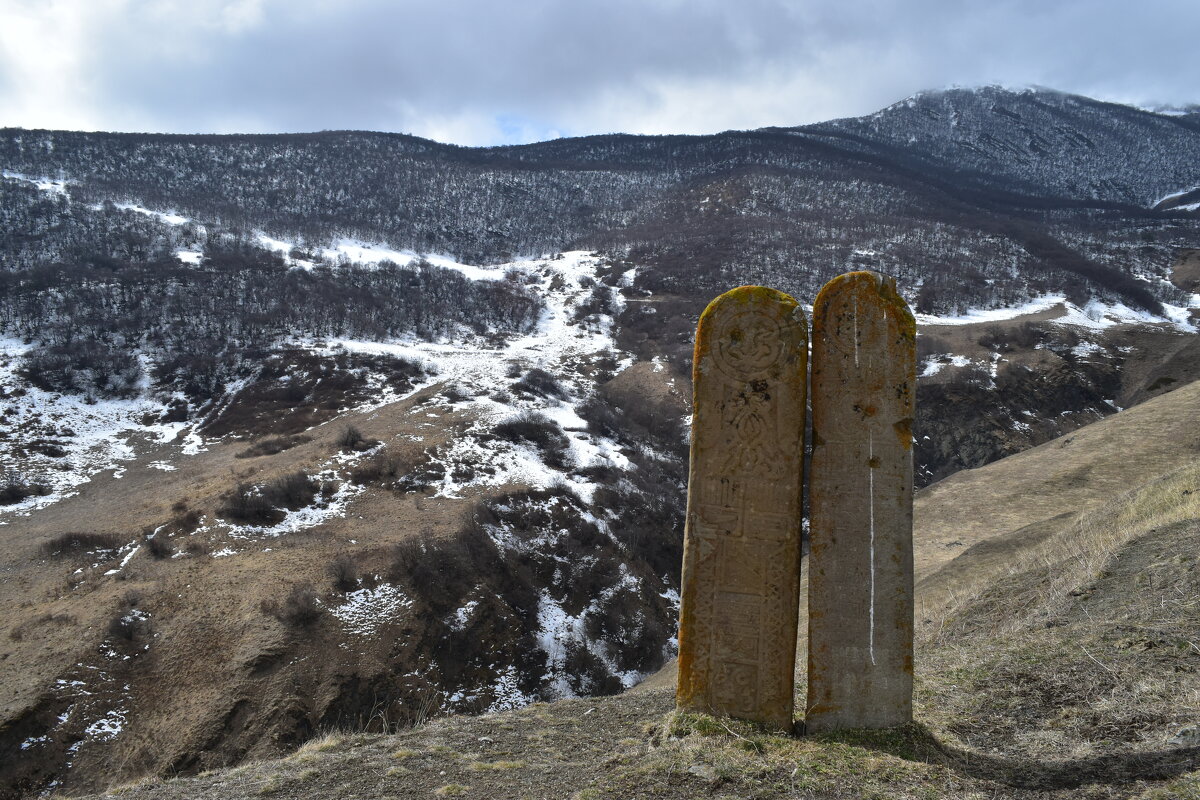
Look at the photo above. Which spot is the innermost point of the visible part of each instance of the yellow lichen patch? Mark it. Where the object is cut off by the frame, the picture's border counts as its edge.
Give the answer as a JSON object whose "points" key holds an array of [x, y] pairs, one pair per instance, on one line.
{"points": [[905, 321], [748, 294]]}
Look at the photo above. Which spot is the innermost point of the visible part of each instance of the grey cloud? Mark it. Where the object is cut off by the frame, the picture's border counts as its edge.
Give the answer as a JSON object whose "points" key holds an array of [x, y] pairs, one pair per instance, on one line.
{"points": [[589, 66]]}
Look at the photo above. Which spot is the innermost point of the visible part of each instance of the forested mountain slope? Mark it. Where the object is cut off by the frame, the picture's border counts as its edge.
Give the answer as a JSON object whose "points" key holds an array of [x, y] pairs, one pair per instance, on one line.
{"points": [[978, 197], [264, 399]]}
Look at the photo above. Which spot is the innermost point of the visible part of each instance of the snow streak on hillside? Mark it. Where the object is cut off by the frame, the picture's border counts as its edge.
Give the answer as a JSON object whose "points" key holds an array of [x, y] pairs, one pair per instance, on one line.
{"points": [[569, 346], [1096, 314], [566, 346], [55, 442]]}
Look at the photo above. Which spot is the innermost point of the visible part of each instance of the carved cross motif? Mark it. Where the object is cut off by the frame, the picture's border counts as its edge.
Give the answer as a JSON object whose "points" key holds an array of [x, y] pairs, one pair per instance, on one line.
{"points": [[742, 551]]}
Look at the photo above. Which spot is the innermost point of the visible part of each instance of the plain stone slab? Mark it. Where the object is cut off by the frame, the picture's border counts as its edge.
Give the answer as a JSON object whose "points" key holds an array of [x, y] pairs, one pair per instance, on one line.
{"points": [[860, 630]]}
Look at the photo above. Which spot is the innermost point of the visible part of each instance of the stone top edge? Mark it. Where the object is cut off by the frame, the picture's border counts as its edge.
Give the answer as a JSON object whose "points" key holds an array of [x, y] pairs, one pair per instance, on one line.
{"points": [[758, 295], [872, 286]]}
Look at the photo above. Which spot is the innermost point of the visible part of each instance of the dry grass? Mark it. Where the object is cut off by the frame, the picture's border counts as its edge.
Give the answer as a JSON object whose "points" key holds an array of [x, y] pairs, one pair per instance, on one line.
{"points": [[484, 766], [717, 753], [1086, 649], [1185, 788], [1072, 559], [331, 740]]}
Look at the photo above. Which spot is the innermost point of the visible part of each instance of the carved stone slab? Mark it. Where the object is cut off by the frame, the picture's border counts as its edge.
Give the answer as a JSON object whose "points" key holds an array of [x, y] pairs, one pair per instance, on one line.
{"points": [[741, 562], [860, 624]]}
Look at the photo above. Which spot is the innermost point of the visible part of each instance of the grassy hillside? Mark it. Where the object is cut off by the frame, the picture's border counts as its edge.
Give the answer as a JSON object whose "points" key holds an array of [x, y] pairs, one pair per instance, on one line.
{"points": [[1058, 656]]}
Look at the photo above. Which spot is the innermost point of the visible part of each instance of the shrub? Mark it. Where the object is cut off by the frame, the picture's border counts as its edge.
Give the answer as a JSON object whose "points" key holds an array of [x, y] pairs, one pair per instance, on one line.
{"points": [[128, 624], [292, 491], [272, 445], [160, 546], [929, 345], [415, 561], [197, 547], [89, 366], [1002, 340], [539, 383], [187, 521], [540, 431], [249, 505], [344, 572], [47, 448], [299, 609], [454, 394], [586, 674], [599, 301], [77, 542], [351, 438], [380, 469], [443, 571], [16, 487], [601, 419]]}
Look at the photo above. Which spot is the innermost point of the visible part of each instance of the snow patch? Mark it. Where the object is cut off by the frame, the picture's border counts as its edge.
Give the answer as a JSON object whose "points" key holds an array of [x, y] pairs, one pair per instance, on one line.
{"points": [[168, 217], [977, 315], [107, 727], [508, 695], [1096, 315], [365, 610], [935, 364], [325, 507], [97, 436], [563, 344], [124, 561], [1173, 195], [462, 616], [47, 185]]}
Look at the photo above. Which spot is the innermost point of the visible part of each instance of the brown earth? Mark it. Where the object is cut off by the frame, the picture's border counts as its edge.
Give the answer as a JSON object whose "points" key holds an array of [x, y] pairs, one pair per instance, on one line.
{"points": [[220, 675], [209, 675], [1185, 272], [1057, 658], [969, 525]]}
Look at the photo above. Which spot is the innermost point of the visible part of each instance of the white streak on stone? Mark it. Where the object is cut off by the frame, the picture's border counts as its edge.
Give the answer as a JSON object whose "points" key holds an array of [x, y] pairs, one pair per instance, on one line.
{"points": [[871, 508]]}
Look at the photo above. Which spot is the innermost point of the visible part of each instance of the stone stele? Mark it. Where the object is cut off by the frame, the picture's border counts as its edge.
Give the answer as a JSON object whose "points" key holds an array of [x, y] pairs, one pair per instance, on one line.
{"points": [[741, 562], [860, 626]]}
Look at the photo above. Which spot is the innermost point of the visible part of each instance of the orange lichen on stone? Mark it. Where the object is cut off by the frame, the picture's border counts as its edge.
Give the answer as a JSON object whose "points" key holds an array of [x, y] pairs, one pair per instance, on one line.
{"points": [[737, 626], [860, 506]]}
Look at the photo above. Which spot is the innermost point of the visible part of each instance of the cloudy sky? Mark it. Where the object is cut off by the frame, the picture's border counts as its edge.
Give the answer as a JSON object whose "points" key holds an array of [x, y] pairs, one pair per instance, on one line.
{"points": [[492, 72]]}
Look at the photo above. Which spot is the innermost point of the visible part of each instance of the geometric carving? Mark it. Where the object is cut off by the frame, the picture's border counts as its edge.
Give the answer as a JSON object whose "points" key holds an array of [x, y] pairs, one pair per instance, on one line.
{"points": [[860, 506], [741, 563]]}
